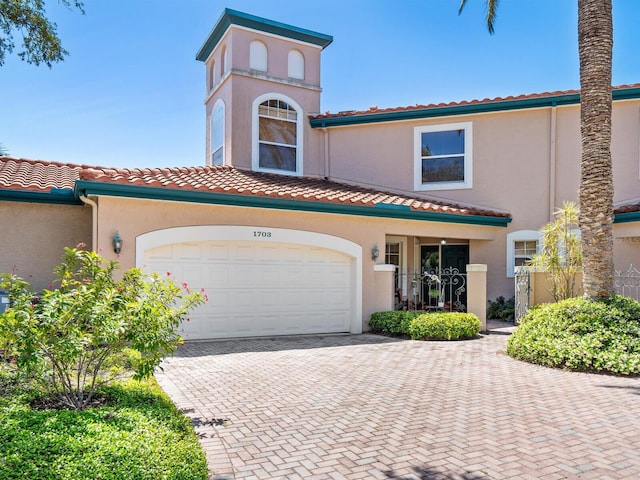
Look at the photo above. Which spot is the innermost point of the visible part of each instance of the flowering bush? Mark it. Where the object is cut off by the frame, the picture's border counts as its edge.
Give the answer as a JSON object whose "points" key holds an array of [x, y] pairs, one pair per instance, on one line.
{"points": [[70, 336]]}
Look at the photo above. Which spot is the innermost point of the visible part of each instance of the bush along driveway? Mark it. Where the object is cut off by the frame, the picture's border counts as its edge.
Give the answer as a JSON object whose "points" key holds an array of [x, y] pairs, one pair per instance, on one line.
{"points": [[368, 406]]}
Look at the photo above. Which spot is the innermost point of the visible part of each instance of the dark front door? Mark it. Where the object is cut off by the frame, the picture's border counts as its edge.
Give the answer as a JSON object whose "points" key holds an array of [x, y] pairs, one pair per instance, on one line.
{"points": [[451, 269], [455, 256], [454, 269]]}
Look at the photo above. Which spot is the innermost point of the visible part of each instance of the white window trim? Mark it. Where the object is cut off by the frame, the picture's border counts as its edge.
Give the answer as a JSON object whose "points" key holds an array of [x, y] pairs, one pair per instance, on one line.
{"points": [[218, 103], [468, 157], [255, 138], [519, 236], [403, 260]]}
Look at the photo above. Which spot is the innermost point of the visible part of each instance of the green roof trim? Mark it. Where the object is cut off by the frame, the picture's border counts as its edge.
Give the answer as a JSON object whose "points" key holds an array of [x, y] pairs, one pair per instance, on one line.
{"points": [[233, 17], [393, 206], [466, 109], [86, 187], [55, 196], [626, 217]]}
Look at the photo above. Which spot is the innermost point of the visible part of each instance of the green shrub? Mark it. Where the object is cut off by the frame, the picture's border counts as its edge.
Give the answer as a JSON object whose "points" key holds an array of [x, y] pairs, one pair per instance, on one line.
{"points": [[137, 434], [392, 323], [444, 326], [71, 336], [501, 309], [579, 334], [426, 326]]}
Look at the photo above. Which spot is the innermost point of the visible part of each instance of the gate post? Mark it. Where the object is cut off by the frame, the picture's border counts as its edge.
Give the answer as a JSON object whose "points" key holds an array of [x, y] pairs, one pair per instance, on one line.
{"points": [[477, 292], [384, 294]]}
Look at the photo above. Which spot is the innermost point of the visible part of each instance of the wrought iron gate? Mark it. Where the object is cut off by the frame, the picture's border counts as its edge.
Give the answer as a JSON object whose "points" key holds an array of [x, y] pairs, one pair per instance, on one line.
{"points": [[627, 283], [432, 290], [523, 293]]}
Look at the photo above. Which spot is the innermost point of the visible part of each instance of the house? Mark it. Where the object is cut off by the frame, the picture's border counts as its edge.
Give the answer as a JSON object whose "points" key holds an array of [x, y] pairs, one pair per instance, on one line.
{"points": [[299, 220]]}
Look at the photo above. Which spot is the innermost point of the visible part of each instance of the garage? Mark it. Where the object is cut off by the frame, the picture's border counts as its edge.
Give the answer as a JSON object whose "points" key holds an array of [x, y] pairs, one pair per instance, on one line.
{"points": [[257, 284]]}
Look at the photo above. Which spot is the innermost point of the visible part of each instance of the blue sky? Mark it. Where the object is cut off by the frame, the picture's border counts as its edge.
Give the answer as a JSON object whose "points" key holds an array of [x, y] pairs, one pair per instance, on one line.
{"points": [[130, 94]]}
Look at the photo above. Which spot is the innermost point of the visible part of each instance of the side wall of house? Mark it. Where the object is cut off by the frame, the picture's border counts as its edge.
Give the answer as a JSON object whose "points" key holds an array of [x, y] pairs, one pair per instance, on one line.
{"points": [[33, 236]]}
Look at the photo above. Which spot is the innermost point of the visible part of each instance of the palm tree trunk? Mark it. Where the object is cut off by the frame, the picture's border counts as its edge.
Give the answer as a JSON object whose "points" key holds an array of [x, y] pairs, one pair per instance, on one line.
{"points": [[595, 45]]}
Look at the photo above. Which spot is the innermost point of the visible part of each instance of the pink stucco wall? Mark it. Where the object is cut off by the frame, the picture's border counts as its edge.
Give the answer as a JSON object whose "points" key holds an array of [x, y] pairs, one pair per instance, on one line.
{"points": [[33, 237]]}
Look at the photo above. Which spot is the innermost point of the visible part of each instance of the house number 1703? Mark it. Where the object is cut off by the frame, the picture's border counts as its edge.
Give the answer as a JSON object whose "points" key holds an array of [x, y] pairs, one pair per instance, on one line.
{"points": [[261, 234]]}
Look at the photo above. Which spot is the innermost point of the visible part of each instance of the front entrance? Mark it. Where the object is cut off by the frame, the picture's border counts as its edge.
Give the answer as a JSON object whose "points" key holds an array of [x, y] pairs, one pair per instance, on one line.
{"points": [[444, 269]]}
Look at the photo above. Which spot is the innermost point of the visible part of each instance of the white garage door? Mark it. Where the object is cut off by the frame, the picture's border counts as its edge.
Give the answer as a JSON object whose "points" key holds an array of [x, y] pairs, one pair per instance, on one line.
{"points": [[258, 289]]}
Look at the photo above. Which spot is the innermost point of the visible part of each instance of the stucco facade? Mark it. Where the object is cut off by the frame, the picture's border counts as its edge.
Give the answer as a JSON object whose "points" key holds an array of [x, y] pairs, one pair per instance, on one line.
{"points": [[33, 237], [302, 200]]}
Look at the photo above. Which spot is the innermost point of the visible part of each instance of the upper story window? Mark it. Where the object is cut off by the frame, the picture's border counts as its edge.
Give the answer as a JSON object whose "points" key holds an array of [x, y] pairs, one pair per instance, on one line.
{"points": [[521, 247], [295, 65], [443, 157], [212, 76], [258, 59], [217, 134], [277, 135], [223, 61]]}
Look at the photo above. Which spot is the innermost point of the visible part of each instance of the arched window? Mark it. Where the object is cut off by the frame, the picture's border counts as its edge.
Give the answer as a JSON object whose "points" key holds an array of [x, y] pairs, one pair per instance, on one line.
{"points": [[296, 65], [258, 56], [277, 135], [223, 61], [212, 75], [217, 134]]}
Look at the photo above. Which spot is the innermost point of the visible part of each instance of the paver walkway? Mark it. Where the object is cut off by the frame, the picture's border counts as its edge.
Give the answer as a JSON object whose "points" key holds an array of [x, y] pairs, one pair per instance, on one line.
{"points": [[371, 407]]}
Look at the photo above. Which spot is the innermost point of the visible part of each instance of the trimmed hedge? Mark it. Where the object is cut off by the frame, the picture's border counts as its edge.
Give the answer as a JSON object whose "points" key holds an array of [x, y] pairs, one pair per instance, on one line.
{"points": [[445, 326], [426, 326], [583, 335], [392, 323]]}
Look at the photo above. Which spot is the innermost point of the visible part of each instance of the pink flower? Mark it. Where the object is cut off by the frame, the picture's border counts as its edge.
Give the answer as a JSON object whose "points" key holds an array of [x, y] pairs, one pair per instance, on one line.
{"points": [[188, 319], [168, 274], [185, 286], [81, 245]]}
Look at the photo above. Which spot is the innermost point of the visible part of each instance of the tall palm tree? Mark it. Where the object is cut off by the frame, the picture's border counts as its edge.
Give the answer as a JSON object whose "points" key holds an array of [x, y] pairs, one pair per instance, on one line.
{"points": [[595, 46]]}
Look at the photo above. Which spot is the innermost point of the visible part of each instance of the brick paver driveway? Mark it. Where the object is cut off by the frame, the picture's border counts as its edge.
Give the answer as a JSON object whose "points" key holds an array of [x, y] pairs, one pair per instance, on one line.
{"points": [[370, 407]]}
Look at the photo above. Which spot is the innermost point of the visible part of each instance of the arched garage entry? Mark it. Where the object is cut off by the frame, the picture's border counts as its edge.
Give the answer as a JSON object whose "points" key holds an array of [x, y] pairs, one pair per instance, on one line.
{"points": [[260, 281]]}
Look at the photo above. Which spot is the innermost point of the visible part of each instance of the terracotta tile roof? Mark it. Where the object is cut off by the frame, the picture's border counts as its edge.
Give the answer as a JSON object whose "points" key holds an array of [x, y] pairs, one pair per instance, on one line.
{"points": [[20, 174], [36, 175], [375, 110], [225, 179], [627, 208]]}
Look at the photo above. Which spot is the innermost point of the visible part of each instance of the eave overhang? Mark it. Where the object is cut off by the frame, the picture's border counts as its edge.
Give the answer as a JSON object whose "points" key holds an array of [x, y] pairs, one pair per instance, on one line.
{"points": [[464, 109], [54, 196], [626, 217], [86, 187], [233, 17]]}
